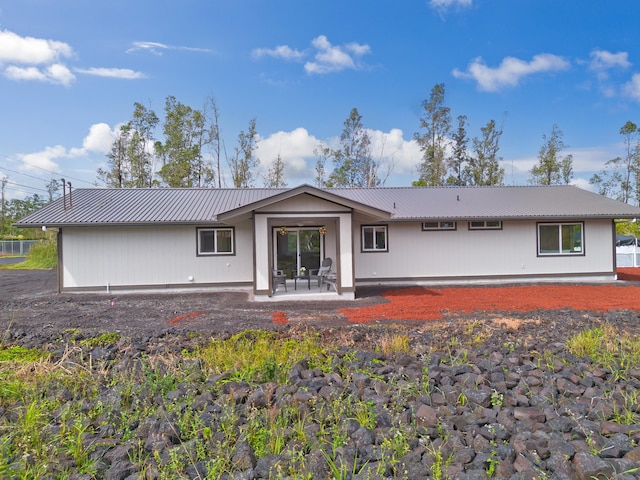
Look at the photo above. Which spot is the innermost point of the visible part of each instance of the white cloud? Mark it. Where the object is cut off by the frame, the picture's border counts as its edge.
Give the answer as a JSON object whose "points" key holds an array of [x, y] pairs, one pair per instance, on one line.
{"points": [[632, 87], [45, 159], [445, 4], [331, 58], [35, 59], [123, 73], [56, 74], [283, 52], [327, 58], [510, 71], [296, 148], [28, 58], [391, 149], [15, 49], [99, 139], [602, 60], [158, 48]]}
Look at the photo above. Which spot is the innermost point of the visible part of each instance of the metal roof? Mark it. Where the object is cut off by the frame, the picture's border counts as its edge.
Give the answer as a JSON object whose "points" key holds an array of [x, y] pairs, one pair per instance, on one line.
{"points": [[498, 203], [203, 205]]}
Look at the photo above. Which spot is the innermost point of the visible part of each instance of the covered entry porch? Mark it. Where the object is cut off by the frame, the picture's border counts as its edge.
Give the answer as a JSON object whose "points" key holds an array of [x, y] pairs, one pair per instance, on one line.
{"points": [[293, 232]]}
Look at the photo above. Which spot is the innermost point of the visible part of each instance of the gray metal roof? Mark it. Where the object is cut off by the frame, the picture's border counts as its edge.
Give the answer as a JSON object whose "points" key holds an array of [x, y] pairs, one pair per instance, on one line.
{"points": [[498, 203], [203, 205]]}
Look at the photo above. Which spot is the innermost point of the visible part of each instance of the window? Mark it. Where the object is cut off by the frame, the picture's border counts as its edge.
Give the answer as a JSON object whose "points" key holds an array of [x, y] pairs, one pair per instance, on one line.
{"points": [[448, 225], [560, 239], [215, 241], [374, 238], [485, 225]]}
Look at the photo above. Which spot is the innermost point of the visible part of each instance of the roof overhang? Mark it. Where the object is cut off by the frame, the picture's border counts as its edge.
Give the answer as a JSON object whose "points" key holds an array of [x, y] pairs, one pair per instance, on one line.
{"points": [[304, 190]]}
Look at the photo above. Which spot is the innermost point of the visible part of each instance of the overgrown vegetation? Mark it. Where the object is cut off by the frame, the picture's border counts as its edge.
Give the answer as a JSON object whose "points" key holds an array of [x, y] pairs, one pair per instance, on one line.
{"points": [[609, 347], [63, 411], [42, 256]]}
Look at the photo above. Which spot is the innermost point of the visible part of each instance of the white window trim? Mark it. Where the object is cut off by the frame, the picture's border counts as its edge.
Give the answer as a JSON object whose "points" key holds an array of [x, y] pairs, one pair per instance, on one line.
{"points": [[485, 226], [560, 253], [444, 225], [375, 228], [199, 251]]}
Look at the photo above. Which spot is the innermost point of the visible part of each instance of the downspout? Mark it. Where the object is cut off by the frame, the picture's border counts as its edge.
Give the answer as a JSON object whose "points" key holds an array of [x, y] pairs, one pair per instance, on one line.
{"points": [[60, 264]]}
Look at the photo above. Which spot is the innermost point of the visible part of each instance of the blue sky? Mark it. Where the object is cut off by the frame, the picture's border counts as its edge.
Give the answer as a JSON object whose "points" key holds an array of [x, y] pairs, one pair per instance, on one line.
{"points": [[71, 70]]}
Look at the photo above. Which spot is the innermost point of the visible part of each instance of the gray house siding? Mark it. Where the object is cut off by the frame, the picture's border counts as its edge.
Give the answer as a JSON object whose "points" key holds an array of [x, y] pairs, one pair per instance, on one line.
{"points": [[416, 255], [99, 258]]}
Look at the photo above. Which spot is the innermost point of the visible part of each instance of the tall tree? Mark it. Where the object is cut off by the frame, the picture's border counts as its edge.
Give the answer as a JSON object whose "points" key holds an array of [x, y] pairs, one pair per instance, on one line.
{"points": [[552, 168], [212, 115], [132, 158], [620, 178], [323, 153], [275, 174], [244, 161], [119, 173], [460, 153], [484, 165], [141, 153], [53, 187], [435, 124], [353, 165], [185, 135]]}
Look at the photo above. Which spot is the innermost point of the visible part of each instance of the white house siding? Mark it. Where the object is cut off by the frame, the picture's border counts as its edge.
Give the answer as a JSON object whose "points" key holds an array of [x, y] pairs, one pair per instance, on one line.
{"points": [[98, 257], [512, 251]]}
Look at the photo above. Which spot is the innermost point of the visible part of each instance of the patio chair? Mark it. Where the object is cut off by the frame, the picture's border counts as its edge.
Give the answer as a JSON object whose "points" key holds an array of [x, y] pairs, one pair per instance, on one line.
{"points": [[278, 278], [324, 270], [330, 280]]}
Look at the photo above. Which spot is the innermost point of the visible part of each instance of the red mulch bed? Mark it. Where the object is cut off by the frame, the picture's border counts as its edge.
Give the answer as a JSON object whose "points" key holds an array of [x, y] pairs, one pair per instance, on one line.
{"points": [[434, 303]]}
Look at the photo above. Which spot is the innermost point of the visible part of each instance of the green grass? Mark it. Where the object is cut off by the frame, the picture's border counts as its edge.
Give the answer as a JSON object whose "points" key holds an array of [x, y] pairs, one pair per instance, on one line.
{"points": [[259, 356], [608, 346], [42, 256]]}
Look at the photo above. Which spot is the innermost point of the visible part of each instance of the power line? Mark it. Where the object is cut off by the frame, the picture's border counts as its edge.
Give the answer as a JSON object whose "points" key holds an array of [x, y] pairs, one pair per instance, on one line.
{"points": [[20, 173], [48, 171], [26, 186]]}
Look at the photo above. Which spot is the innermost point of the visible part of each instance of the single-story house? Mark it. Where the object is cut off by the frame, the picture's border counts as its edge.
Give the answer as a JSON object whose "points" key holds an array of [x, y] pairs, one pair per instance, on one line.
{"points": [[129, 239]]}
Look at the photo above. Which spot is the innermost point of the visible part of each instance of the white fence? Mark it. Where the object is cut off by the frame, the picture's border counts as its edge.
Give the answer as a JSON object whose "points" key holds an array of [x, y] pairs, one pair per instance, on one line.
{"points": [[16, 247], [628, 256]]}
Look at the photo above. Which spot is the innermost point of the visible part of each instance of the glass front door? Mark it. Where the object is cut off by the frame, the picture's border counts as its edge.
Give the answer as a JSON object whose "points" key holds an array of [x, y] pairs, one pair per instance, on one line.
{"points": [[297, 248]]}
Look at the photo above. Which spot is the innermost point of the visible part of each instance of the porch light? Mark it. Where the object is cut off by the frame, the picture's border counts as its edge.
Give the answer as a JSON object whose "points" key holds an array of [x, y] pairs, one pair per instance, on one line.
{"points": [[284, 230]]}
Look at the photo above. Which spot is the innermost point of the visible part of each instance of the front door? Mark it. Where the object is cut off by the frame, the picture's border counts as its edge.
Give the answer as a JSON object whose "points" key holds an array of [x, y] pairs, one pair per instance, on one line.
{"points": [[297, 248]]}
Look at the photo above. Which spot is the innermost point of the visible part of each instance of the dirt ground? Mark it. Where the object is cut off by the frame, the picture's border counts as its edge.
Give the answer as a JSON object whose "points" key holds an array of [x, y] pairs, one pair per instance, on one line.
{"points": [[29, 303]]}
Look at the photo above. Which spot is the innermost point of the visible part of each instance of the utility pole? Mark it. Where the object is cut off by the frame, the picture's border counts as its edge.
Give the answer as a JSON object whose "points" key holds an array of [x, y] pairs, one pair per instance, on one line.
{"points": [[4, 181]]}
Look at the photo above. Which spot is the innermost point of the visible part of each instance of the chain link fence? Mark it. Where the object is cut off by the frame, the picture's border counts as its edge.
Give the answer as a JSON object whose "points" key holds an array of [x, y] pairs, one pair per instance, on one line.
{"points": [[16, 247]]}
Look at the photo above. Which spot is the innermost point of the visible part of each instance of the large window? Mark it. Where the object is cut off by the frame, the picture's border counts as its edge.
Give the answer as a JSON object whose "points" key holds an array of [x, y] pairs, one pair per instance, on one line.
{"points": [[560, 239], [374, 238], [215, 241]]}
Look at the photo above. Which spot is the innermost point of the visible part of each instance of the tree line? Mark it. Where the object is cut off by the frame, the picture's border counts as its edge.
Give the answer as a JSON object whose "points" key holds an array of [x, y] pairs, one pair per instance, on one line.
{"points": [[189, 152]]}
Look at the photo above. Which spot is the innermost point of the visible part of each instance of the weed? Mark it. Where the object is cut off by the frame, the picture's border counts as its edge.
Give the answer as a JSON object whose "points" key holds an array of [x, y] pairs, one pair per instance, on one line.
{"points": [[102, 340], [439, 466], [492, 464], [497, 399], [21, 354], [365, 414], [394, 343], [41, 256], [609, 347], [258, 356]]}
